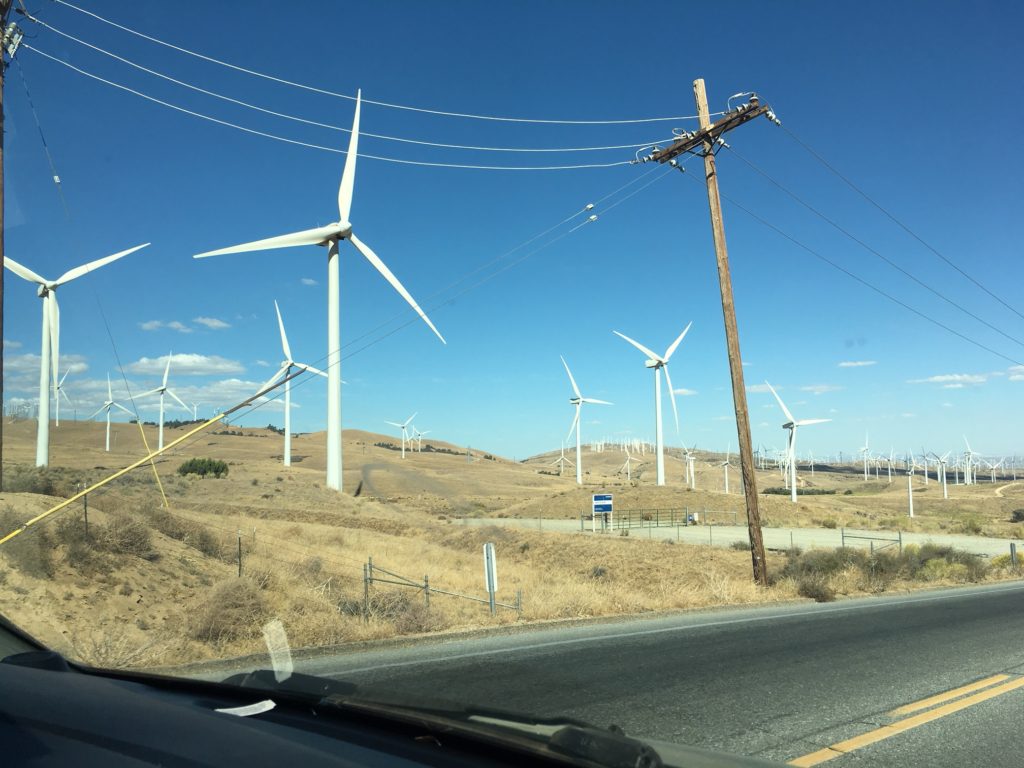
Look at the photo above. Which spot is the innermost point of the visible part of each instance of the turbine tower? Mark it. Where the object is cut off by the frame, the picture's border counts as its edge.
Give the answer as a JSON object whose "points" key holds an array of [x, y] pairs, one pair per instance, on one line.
{"points": [[331, 236], [792, 424], [286, 368], [50, 354], [107, 405], [658, 362], [577, 400], [163, 390]]}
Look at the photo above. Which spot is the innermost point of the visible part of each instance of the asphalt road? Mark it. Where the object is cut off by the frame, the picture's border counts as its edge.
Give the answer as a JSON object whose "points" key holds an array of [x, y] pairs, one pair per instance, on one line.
{"points": [[774, 538], [779, 682]]}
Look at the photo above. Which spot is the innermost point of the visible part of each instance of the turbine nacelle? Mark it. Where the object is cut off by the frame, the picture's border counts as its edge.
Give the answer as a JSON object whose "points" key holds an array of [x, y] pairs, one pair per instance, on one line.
{"points": [[653, 363]]}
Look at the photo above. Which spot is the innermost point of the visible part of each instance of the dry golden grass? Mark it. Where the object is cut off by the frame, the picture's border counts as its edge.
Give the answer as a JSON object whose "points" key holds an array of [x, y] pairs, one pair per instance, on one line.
{"points": [[304, 546]]}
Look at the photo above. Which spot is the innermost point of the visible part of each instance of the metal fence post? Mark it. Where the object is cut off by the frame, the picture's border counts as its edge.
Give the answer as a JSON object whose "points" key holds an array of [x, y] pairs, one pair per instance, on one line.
{"points": [[366, 593], [842, 538], [85, 512], [239, 553], [900, 533], [426, 590], [1013, 553]]}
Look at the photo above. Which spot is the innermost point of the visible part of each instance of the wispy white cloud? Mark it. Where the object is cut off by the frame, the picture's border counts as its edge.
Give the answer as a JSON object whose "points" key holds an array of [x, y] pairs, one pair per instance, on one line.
{"points": [[684, 392], [760, 388], [947, 405], [213, 323], [820, 389], [184, 364], [857, 363], [1017, 373], [953, 380], [262, 363], [308, 281], [173, 325], [909, 415], [9, 344]]}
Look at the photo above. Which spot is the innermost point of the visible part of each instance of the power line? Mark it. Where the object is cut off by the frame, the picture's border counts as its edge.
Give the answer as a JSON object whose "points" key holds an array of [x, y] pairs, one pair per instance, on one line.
{"points": [[328, 126], [873, 251], [897, 221], [309, 145], [42, 138], [335, 94], [867, 284]]}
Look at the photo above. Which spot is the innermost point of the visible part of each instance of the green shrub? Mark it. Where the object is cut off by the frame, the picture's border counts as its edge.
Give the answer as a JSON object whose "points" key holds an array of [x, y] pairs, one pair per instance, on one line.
{"points": [[126, 535], [1017, 516], [203, 467], [830, 522]]}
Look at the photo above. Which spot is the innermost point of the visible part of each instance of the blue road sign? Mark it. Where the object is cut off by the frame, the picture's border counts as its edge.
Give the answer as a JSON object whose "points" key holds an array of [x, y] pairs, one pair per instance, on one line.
{"points": [[602, 503]]}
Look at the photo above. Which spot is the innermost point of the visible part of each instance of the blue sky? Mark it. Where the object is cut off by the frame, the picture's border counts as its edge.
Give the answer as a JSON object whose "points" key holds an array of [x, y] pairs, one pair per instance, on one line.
{"points": [[893, 95]]}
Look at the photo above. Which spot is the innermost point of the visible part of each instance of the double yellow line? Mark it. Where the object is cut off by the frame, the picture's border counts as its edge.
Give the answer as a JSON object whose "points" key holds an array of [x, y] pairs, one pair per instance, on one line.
{"points": [[931, 708]]}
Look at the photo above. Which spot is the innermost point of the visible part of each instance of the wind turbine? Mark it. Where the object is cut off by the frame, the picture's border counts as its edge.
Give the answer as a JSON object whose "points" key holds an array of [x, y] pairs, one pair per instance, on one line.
{"points": [[561, 461], [725, 466], [163, 390], [286, 368], [50, 354], [627, 466], [865, 452], [578, 400], [417, 437], [107, 405], [657, 362], [195, 411], [792, 424], [404, 426], [330, 236], [911, 466], [968, 461], [58, 390], [941, 461]]}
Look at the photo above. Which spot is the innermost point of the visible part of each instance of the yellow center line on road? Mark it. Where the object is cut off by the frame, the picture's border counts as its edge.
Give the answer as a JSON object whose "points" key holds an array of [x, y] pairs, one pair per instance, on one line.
{"points": [[941, 698], [900, 726]]}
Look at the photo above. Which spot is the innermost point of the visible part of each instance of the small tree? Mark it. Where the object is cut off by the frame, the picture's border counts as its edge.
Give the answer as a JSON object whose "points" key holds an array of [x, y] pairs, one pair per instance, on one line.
{"points": [[203, 467]]}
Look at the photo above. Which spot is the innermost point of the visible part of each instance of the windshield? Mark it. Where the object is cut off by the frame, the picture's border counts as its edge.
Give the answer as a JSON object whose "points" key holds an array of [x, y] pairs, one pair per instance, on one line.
{"points": [[636, 366]]}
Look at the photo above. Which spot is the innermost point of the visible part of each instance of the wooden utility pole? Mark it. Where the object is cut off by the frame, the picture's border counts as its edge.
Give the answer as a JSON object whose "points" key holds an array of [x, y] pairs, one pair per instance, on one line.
{"points": [[739, 392], [5, 9], [703, 141]]}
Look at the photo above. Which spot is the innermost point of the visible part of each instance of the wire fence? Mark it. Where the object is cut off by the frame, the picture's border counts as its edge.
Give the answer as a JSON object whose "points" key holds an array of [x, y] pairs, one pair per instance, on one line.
{"points": [[371, 578]]}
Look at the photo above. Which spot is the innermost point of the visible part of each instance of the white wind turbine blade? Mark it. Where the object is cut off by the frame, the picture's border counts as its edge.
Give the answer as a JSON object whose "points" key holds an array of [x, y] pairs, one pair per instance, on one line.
{"points": [[639, 346], [316, 236], [61, 382], [668, 380], [156, 391], [575, 423], [372, 257], [782, 405], [394, 424], [110, 392], [407, 421], [71, 274], [284, 337], [575, 389], [280, 373], [671, 350], [23, 272], [310, 369], [167, 369], [595, 401], [67, 399], [99, 411], [118, 405], [180, 401], [348, 176], [805, 422]]}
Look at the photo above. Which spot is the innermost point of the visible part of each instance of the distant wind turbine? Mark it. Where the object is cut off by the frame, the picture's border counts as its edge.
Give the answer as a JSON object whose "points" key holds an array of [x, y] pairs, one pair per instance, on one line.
{"points": [[404, 426], [659, 362], [331, 235], [725, 466], [163, 390], [286, 368], [577, 400], [107, 405], [50, 354], [58, 390], [792, 424]]}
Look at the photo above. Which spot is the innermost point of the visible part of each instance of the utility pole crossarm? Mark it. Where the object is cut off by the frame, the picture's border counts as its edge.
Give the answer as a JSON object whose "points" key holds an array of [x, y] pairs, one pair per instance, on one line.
{"points": [[710, 134]]}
